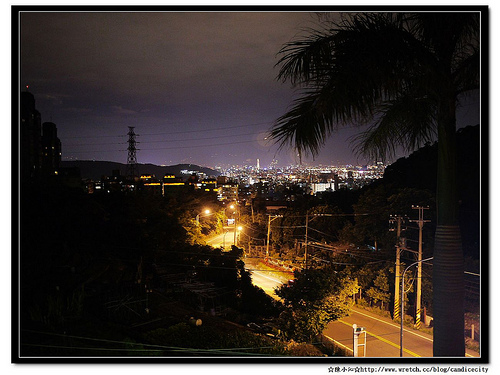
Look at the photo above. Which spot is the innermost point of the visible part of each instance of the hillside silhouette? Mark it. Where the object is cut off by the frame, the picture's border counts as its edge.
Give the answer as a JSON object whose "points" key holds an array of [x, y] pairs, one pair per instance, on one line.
{"points": [[96, 169]]}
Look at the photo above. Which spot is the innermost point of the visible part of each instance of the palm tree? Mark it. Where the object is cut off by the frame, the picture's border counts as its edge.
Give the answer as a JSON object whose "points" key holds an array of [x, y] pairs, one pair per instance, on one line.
{"points": [[402, 75]]}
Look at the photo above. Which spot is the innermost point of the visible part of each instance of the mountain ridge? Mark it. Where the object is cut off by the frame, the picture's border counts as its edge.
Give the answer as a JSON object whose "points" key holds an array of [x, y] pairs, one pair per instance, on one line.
{"points": [[96, 169]]}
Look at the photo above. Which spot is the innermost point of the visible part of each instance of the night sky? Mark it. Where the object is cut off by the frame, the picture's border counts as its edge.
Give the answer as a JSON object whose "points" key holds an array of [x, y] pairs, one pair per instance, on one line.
{"points": [[199, 87]]}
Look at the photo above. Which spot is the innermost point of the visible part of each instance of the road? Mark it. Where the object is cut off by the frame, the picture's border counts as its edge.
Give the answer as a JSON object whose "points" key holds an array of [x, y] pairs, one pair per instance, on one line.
{"points": [[266, 282], [266, 278], [224, 240], [382, 336]]}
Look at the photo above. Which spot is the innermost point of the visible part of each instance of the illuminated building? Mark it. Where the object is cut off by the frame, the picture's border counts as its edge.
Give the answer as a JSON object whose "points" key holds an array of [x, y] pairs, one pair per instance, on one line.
{"points": [[209, 185], [172, 184], [228, 191]]}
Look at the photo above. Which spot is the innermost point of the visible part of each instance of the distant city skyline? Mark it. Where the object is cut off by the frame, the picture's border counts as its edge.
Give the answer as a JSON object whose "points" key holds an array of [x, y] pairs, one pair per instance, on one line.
{"points": [[198, 87]]}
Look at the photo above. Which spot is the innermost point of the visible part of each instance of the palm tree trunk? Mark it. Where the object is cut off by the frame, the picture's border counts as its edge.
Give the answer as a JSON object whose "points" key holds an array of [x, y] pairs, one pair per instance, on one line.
{"points": [[448, 267]]}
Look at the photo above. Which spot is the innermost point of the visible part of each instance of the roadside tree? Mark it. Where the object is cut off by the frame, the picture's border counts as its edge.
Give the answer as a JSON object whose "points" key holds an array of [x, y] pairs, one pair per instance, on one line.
{"points": [[315, 298], [405, 74]]}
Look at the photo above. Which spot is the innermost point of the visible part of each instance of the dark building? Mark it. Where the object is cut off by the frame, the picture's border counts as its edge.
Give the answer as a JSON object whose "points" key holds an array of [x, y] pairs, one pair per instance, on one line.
{"points": [[40, 148], [30, 140], [51, 150]]}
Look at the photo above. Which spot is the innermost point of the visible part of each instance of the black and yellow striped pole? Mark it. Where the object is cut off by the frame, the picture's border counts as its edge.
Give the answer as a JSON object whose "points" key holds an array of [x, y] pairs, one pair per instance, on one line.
{"points": [[419, 284], [418, 304], [403, 300], [397, 271], [397, 312]]}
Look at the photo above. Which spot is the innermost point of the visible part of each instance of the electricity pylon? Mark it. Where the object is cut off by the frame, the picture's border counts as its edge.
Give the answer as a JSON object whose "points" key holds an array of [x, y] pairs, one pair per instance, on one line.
{"points": [[132, 155]]}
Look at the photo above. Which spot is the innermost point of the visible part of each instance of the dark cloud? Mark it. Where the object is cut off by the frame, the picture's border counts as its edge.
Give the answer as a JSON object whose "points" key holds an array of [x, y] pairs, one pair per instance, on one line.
{"points": [[163, 70], [96, 73]]}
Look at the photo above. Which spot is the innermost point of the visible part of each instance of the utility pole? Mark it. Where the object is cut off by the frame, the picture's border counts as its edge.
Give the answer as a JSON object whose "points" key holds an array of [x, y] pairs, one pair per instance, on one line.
{"points": [[397, 272], [305, 251], [269, 232], [268, 236], [235, 229], [420, 222], [236, 214], [403, 301]]}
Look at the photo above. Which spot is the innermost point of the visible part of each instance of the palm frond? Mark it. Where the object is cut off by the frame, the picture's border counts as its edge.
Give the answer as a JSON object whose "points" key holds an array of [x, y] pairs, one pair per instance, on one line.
{"points": [[466, 74], [304, 127], [389, 68], [305, 59], [408, 123]]}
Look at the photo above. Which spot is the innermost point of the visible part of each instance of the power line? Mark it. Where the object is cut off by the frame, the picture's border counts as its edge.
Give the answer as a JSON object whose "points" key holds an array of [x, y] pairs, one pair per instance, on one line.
{"points": [[161, 347], [339, 252], [172, 148], [94, 136], [207, 130], [329, 215], [203, 131], [289, 227], [202, 146], [326, 234], [202, 139], [166, 140], [96, 144]]}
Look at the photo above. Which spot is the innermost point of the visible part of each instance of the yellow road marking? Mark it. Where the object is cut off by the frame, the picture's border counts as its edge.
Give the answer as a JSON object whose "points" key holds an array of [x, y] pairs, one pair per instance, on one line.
{"points": [[384, 340], [408, 331], [392, 324]]}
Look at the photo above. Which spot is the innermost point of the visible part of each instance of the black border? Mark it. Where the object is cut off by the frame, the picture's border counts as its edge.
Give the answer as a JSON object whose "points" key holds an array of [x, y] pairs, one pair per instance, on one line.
{"points": [[327, 361]]}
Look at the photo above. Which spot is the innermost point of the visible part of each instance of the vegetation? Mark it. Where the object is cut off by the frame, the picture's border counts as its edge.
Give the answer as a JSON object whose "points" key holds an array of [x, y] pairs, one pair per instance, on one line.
{"points": [[90, 262], [185, 340], [86, 255], [404, 75], [314, 299]]}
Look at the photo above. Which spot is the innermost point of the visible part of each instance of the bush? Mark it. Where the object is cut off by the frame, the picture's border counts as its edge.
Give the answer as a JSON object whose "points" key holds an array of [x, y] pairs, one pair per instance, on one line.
{"points": [[183, 339]]}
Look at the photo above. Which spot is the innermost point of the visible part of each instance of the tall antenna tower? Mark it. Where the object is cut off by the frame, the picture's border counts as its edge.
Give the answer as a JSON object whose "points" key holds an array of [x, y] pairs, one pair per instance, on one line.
{"points": [[132, 157]]}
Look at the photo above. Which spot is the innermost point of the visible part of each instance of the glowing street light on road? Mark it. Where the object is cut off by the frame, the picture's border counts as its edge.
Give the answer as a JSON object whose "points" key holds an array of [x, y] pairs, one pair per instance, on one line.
{"points": [[206, 212]]}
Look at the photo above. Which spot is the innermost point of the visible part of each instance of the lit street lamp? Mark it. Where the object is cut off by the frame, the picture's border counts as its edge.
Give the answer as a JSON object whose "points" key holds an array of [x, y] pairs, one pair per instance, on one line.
{"points": [[207, 212], [239, 229], [233, 207]]}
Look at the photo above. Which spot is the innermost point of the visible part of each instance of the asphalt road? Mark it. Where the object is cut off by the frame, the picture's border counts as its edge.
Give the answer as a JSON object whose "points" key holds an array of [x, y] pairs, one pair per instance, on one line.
{"points": [[266, 281], [224, 240], [266, 278], [382, 336]]}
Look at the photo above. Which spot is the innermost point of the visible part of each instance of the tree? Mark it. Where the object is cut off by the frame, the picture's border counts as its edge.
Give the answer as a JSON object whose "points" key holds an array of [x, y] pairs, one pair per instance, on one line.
{"points": [[373, 209], [404, 74], [325, 228], [372, 218], [380, 289], [317, 297]]}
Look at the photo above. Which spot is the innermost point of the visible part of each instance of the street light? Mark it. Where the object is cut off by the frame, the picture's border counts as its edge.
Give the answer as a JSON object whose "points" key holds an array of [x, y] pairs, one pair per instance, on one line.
{"points": [[206, 212], [234, 208], [250, 238], [239, 229], [403, 301]]}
